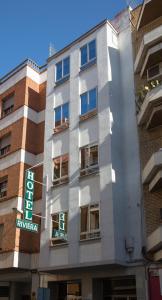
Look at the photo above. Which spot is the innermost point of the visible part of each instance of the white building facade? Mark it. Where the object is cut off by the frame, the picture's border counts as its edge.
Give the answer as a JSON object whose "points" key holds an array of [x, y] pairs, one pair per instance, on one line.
{"points": [[91, 237]]}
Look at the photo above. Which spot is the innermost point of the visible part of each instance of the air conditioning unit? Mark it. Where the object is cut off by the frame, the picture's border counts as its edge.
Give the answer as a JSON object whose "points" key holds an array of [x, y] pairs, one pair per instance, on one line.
{"points": [[154, 72]]}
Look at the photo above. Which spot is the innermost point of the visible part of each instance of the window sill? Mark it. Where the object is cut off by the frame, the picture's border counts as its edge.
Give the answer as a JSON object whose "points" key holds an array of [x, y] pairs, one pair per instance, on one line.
{"points": [[89, 240], [88, 115], [89, 172], [61, 81], [63, 244], [60, 181], [61, 128], [88, 65]]}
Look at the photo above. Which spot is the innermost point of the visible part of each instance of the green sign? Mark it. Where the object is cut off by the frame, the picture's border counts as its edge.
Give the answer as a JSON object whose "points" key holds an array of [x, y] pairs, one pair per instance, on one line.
{"points": [[61, 221], [29, 193], [27, 224], [60, 234]]}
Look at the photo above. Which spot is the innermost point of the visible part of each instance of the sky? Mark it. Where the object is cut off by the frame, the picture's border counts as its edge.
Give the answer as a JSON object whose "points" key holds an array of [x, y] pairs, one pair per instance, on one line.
{"points": [[27, 27]]}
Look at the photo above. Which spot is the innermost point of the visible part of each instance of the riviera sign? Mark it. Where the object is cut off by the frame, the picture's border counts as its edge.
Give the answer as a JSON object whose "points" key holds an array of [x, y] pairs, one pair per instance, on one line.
{"points": [[26, 223]]}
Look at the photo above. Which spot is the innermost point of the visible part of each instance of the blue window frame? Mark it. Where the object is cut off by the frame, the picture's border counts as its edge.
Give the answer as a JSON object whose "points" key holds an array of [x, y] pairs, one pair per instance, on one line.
{"points": [[61, 114], [88, 52], [88, 101], [63, 68]]}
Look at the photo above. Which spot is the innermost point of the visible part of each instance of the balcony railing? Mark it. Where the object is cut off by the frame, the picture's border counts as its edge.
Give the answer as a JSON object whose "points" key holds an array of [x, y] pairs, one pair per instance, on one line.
{"points": [[5, 150], [89, 170], [95, 234], [3, 194]]}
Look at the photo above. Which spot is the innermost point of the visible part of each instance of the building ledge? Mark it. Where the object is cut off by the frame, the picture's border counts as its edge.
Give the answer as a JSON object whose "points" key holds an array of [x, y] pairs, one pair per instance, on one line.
{"points": [[154, 240], [151, 110], [149, 39], [152, 168]]}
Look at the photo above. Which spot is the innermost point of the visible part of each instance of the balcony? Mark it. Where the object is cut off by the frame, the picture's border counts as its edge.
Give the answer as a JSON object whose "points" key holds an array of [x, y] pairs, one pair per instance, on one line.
{"points": [[151, 10], [150, 105], [152, 173], [154, 243], [149, 40]]}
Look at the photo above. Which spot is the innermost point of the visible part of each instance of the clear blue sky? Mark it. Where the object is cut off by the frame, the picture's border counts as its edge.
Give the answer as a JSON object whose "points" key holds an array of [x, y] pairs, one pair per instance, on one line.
{"points": [[27, 27]]}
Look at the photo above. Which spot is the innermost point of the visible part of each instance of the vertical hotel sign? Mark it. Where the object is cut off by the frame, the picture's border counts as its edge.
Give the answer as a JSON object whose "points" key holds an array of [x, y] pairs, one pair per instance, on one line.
{"points": [[26, 223]]}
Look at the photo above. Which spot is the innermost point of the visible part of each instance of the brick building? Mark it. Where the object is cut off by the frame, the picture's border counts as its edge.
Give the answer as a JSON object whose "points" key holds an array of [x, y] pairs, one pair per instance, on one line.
{"points": [[147, 46], [22, 107]]}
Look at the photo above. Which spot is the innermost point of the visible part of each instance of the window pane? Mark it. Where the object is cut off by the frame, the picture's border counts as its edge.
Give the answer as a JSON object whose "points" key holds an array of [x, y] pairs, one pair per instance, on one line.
{"points": [[64, 166], [94, 220], [59, 70], [93, 156], [56, 169], [1, 234], [57, 116], [83, 55], [55, 222], [66, 66], [84, 103], [73, 289], [3, 188], [92, 99], [65, 112], [83, 158], [92, 49], [84, 219]]}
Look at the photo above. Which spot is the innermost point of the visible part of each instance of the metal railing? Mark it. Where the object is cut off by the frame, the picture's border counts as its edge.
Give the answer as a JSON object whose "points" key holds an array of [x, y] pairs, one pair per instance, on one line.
{"points": [[5, 150], [3, 194], [7, 111], [144, 90]]}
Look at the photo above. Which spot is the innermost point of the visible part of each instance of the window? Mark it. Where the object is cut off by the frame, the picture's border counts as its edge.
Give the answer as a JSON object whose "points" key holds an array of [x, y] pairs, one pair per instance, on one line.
{"points": [[61, 117], [88, 53], [59, 228], [89, 159], [5, 144], [63, 69], [88, 101], [7, 105], [3, 188], [61, 169], [90, 222], [1, 235]]}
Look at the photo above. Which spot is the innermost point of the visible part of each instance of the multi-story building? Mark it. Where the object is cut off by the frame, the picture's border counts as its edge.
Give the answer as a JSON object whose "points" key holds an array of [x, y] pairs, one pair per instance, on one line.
{"points": [[91, 237], [22, 106], [147, 44]]}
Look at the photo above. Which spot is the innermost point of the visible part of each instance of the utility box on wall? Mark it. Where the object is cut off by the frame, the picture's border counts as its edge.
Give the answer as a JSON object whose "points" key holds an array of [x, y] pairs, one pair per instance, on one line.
{"points": [[43, 294]]}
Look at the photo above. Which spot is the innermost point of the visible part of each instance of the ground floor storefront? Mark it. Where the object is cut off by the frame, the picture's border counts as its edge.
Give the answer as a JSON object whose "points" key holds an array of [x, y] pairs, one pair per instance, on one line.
{"points": [[18, 284], [96, 284]]}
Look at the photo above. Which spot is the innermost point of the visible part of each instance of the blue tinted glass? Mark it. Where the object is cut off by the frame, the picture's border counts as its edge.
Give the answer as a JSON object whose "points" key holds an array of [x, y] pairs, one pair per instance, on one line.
{"points": [[57, 116], [92, 99], [92, 49], [66, 66], [59, 70], [65, 112], [84, 55], [84, 104]]}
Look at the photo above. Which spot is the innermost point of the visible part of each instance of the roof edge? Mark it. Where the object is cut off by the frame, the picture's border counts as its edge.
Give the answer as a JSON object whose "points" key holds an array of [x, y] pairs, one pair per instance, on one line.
{"points": [[27, 62], [80, 38]]}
